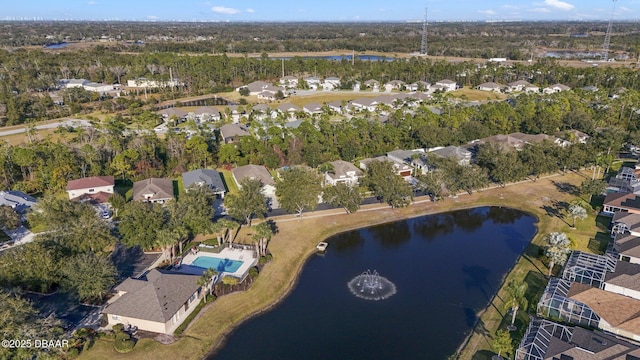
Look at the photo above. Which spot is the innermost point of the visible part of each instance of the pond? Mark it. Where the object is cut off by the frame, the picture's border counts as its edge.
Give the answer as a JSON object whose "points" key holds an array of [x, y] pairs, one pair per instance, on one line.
{"points": [[445, 268]]}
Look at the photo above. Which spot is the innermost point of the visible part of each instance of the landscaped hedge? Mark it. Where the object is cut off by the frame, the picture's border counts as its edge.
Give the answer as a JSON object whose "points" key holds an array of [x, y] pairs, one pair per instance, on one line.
{"points": [[124, 346]]}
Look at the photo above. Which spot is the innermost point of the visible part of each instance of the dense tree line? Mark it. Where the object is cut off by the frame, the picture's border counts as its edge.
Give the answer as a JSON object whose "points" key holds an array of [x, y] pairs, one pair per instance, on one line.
{"points": [[470, 39]]}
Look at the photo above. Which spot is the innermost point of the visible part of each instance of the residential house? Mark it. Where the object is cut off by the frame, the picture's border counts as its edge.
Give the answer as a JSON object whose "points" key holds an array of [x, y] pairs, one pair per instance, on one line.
{"points": [[290, 82], [230, 133], [365, 103], [372, 84], [288, 110], [626, 247], [623, 222], [419, 86], [158, 303], [335, 106], [17, 200], [235, 112], [620, 202], [539, 139], [414, 158], [490, 86], [394, 85], [95, 188], [312, 108], [546, 340], [153, 190], [331, 83], [343, 172], [457, 153], [627, 180], [255, 87], [447, 85], [591, 88], [573, 136], [555, 88], [261, 111], [260, 173], [401, 168], [173, 113], [504, 142], [313, 82], [267, 95], [205, 177], [522, 85], [101, 88], [206, 114]]}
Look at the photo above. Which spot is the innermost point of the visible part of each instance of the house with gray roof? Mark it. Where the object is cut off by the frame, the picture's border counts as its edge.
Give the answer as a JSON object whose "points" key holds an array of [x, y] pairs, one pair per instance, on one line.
{"points": [[400, 168], [343, 172], [153, 190], [447, 85], [312, 108], [555, 88], [17, 200], [230, 133], [158, 303], [490, 86], [288, 110], [457, 153], [260, 173], [172, 113], [205, 177], [413, 158], [546, 340]]}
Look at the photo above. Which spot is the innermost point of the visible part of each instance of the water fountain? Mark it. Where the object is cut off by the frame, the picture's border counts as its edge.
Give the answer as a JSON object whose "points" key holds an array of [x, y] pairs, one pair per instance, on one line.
{"points": [[371, 286]]}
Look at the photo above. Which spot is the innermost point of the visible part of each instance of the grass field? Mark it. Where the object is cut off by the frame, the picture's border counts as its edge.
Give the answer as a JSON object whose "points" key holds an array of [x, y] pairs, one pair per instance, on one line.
{"points": [[477, 95], [544, 198]]}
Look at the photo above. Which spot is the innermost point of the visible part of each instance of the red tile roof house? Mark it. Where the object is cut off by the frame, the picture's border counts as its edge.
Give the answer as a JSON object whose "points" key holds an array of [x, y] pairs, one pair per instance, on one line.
{"points": [[159, 303], [96, 188]]}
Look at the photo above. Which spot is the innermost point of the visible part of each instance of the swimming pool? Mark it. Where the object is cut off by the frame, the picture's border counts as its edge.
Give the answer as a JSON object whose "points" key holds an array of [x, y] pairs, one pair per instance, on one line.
{"points": [[220, 265]]}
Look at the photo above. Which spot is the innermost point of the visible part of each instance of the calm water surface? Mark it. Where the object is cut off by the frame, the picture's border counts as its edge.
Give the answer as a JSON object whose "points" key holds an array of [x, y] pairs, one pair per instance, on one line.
{"points": [[446, 268]]}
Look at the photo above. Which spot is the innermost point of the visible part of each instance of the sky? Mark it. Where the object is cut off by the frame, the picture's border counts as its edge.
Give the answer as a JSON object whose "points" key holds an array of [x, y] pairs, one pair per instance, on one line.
{"points": [[319, 10]]}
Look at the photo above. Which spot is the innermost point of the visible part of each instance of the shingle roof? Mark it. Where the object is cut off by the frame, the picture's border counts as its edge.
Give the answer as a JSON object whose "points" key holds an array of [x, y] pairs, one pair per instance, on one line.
{"points": [[156, 299], [253, 172], [626, 275], [341, 167], [209, 177], [90, 182], [231, 130], [623, 200], [618, 310], [158, 188]]}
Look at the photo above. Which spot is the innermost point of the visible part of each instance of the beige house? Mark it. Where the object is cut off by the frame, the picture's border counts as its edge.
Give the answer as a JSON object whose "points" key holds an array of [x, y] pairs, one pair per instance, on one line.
{"points": [[153, 190], [343, 172], [158, 304], [94, 186]]}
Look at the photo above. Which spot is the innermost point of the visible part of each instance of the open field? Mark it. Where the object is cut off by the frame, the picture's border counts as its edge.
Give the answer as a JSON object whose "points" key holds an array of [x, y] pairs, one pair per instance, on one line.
{"points": [[477, 95], [543, 198]]}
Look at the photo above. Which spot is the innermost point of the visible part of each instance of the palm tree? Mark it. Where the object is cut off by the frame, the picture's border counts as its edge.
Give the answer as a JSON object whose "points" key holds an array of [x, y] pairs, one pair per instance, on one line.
{"points": [[226, 227], [516, 290], [165, 241], [557, 249], [206, 281], [261, 236], [577, 211]]}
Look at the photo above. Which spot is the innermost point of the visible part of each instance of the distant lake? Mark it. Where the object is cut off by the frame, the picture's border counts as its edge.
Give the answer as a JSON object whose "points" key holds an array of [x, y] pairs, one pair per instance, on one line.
{"points": [[341, 57], [56, 46], [446, 268]]}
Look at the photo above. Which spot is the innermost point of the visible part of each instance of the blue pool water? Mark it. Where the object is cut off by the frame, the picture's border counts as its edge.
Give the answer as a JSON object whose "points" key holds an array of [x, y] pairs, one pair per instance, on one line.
{"points": [[220, 265]]}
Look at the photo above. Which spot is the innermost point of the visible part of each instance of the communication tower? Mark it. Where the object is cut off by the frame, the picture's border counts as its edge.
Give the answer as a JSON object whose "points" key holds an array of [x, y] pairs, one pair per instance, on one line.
{"points": [[423, 45], [607, 37]]}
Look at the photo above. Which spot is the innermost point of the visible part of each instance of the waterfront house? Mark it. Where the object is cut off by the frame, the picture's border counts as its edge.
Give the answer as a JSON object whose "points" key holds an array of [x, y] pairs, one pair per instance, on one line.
{"points": [[158, 303]]}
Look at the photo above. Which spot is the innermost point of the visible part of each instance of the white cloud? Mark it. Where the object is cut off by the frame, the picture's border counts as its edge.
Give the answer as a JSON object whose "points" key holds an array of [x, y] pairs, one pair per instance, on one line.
{"points": [[250, 10], [152, 17], [561, 5], [224, 10], [487, 12], [91, 3]]}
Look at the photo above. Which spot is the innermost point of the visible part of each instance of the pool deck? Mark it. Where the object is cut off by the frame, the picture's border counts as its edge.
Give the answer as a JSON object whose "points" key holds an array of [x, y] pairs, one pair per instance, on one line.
{"points": [[244, 255]]}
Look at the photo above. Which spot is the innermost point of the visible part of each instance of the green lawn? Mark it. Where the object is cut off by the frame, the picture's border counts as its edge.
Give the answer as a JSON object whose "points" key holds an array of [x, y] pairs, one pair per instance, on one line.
{"points": [[227, 177]]}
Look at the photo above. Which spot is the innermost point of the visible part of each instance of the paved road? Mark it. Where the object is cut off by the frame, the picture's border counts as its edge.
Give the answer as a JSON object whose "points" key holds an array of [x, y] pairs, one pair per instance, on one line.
{"points": [[67, 123]]}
